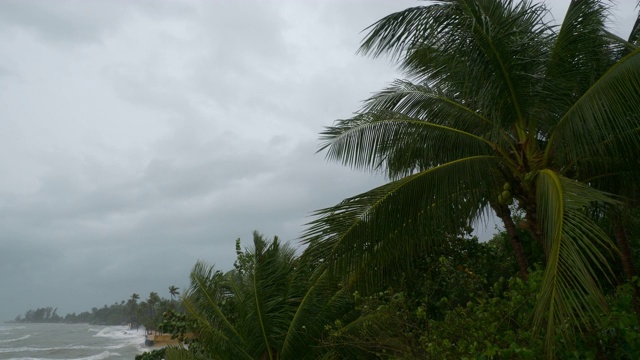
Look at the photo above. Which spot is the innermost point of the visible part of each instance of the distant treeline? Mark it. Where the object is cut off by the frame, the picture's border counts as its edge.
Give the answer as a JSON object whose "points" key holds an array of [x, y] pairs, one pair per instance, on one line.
{"points": [[147, 312], [47, 314]]}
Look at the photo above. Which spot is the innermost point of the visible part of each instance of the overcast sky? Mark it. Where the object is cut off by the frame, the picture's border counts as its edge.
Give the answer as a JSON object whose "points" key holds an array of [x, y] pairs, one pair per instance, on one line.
{"points": [[137, 137]]}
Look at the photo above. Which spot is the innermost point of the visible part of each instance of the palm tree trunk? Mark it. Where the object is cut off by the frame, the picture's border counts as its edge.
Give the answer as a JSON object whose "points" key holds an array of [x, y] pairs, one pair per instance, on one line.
{"points": [[514, 238]]}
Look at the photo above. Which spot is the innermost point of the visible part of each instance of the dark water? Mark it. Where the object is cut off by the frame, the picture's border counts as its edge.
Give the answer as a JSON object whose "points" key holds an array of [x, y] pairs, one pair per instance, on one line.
{"points": [[69, 342]]}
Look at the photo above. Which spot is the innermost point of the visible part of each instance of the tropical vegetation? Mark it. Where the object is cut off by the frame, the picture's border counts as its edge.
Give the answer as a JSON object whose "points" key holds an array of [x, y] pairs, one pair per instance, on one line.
{"points": [[456, 304], [274, 305]]}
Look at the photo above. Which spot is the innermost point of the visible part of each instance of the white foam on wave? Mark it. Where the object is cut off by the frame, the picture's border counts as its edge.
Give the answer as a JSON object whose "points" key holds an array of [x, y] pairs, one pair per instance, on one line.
{"points": [[101, 356], [24, 349], [119, 332], [123, 335], [121, 338], [12, 340], [70, 347]]}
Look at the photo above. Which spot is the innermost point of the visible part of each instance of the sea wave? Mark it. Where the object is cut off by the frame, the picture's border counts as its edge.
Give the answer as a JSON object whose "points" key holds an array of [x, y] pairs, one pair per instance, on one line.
{"points": [[10, 327], [71, 342], [68, 347], [24, 349], [101, 356], [12, 340], [119, 333]]}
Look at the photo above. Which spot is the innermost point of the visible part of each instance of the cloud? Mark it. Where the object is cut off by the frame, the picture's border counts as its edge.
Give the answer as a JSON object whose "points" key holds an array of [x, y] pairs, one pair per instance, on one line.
{"points": [[63, 21], [76, 22]]}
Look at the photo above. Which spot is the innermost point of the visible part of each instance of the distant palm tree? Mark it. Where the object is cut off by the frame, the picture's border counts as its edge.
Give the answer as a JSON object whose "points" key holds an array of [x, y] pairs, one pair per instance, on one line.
{"points": [[152, 301], [132, 305], [173, 291], [502, 111]]}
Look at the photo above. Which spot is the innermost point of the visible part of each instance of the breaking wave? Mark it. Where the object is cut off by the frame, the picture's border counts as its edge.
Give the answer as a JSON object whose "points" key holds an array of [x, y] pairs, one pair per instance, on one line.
{"points": [[101, 356], [12, 340]]}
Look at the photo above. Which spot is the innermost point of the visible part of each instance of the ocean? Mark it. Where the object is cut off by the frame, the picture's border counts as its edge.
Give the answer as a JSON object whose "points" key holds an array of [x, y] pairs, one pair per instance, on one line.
{"points": [[69, 342]]}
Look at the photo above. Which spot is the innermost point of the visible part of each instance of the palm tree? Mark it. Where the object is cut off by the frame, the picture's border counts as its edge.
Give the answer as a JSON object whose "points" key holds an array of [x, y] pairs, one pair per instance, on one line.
{"points": [[500, 111], [132, 304], [173, 291], [151, 303], [272, 306]]}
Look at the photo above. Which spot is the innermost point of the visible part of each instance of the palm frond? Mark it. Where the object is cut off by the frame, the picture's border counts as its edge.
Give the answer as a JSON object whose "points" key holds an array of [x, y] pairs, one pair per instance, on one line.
{"points": [[582, 48], [202, 301], [259, 298], [394, 33], [513, 58], [497, 44], [246, 313], [426, 103], [624, 45], [576, 59], [308, 321], [576, 254], [323, 305], [634, 36], [398, 144], [271, 297], [606, 114], [401, 213]]}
